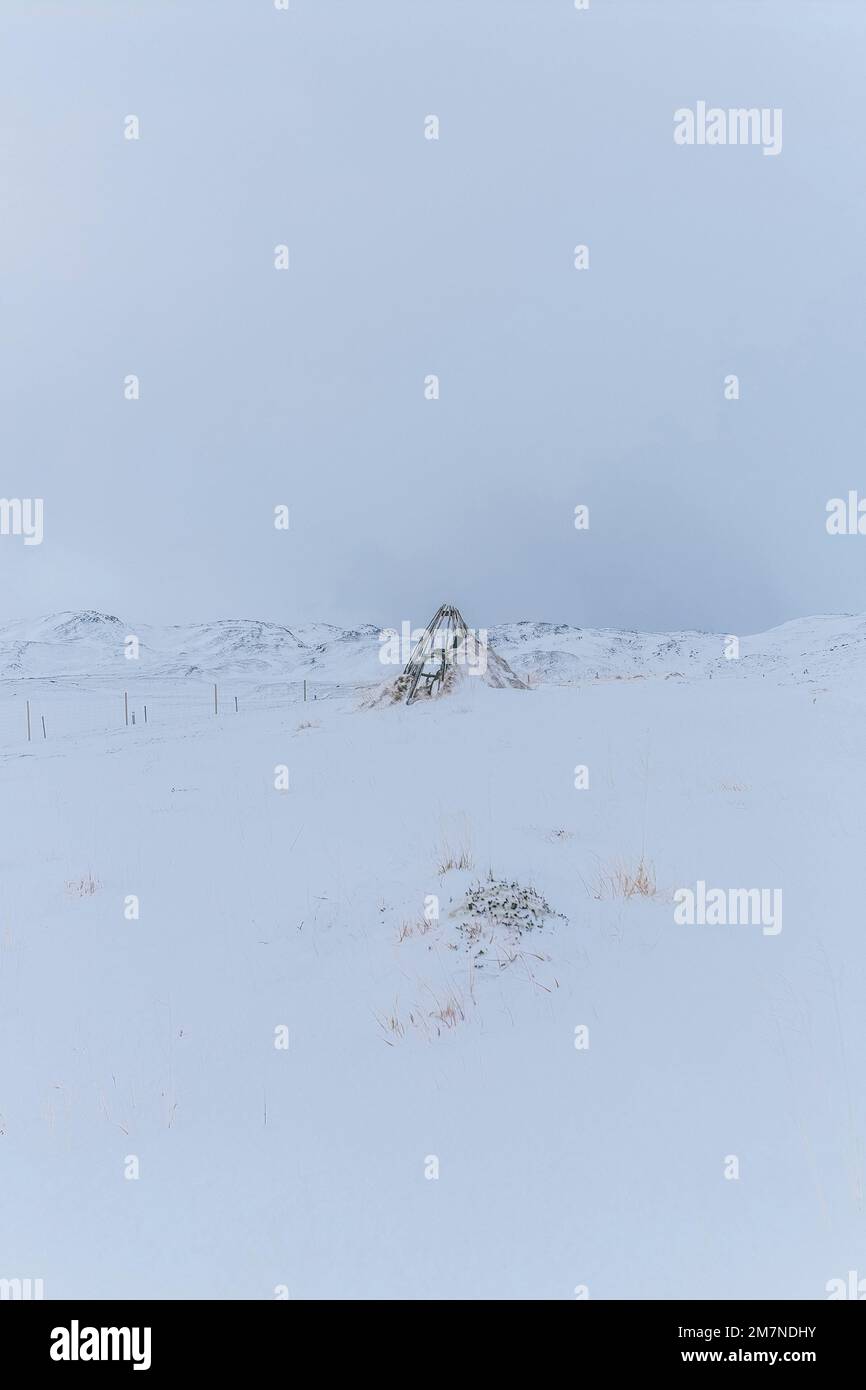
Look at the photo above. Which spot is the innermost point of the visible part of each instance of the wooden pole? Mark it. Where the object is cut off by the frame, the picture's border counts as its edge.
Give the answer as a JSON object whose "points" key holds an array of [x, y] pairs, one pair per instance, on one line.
{"points": [[236, 704], [44, 735], [126, 707], [305, 692], [215, 705], [28, 721], [133, 716], [145, 714]]}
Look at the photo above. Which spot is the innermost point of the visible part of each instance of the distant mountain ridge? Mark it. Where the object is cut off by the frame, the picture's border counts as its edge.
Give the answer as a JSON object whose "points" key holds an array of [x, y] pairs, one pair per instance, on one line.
{"points": [[92, 643]]}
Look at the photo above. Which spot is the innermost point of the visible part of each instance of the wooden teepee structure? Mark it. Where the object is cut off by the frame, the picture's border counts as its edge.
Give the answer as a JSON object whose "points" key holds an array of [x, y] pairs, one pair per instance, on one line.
{"points": [[434, 652]]}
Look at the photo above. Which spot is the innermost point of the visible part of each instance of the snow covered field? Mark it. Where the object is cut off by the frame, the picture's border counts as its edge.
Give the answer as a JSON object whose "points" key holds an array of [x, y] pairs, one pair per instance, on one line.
{"points": [[312, 1168]]}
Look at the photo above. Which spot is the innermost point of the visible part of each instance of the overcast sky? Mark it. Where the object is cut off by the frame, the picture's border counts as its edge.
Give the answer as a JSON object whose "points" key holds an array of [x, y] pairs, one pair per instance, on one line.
{"points": [[409, 257]]}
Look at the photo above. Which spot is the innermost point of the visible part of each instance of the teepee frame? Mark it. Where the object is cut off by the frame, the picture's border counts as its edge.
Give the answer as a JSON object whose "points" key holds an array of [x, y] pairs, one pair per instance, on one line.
{"points": [[433, 653]]}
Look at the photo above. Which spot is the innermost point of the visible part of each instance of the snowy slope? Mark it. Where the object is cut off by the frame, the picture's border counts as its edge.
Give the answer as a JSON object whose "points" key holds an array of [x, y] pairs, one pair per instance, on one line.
{"points": [[154, 1038], [92, 644], [808, 647]]}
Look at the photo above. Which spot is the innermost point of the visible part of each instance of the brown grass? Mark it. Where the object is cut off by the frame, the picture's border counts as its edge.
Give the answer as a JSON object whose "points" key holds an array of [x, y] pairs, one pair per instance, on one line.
{"points": [[450, 1011], [621, 879], [82, 887], [454, 859], [447, 1013], [413, 926], [391, 1024]]}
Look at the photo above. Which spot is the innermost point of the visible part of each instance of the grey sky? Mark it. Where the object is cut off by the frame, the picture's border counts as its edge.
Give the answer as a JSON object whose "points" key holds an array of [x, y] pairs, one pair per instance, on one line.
{"points": [[411, 257]]}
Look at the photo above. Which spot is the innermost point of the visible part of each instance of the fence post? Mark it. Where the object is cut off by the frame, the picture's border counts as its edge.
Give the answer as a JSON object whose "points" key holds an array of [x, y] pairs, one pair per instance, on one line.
{"points": [[145, 714], [126, 707], [28, 721], [44, 735], [305, 692], [215, 705], [236, 704]]}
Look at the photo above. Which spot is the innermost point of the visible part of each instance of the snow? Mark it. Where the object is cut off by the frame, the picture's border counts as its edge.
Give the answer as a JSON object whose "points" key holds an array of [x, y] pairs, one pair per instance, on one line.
{"points": [[558, 1166], [91, 644]]}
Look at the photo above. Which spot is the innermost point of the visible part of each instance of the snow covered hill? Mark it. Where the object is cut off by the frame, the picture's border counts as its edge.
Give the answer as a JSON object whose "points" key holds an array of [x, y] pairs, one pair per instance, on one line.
{"points": [[93, 644], [804, 648]]}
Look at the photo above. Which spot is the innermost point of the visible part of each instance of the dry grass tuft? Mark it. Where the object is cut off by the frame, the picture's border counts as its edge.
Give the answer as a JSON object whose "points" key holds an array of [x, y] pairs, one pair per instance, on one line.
{"points": [[621, 880], [447, 1013], [450, 1011], [391, 1024], [454, 858], [82, 887], [413, 926]]}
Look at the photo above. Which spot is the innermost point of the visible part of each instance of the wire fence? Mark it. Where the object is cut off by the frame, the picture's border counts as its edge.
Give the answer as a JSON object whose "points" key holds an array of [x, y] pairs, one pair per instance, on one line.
{"points": [[38, 712]]}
